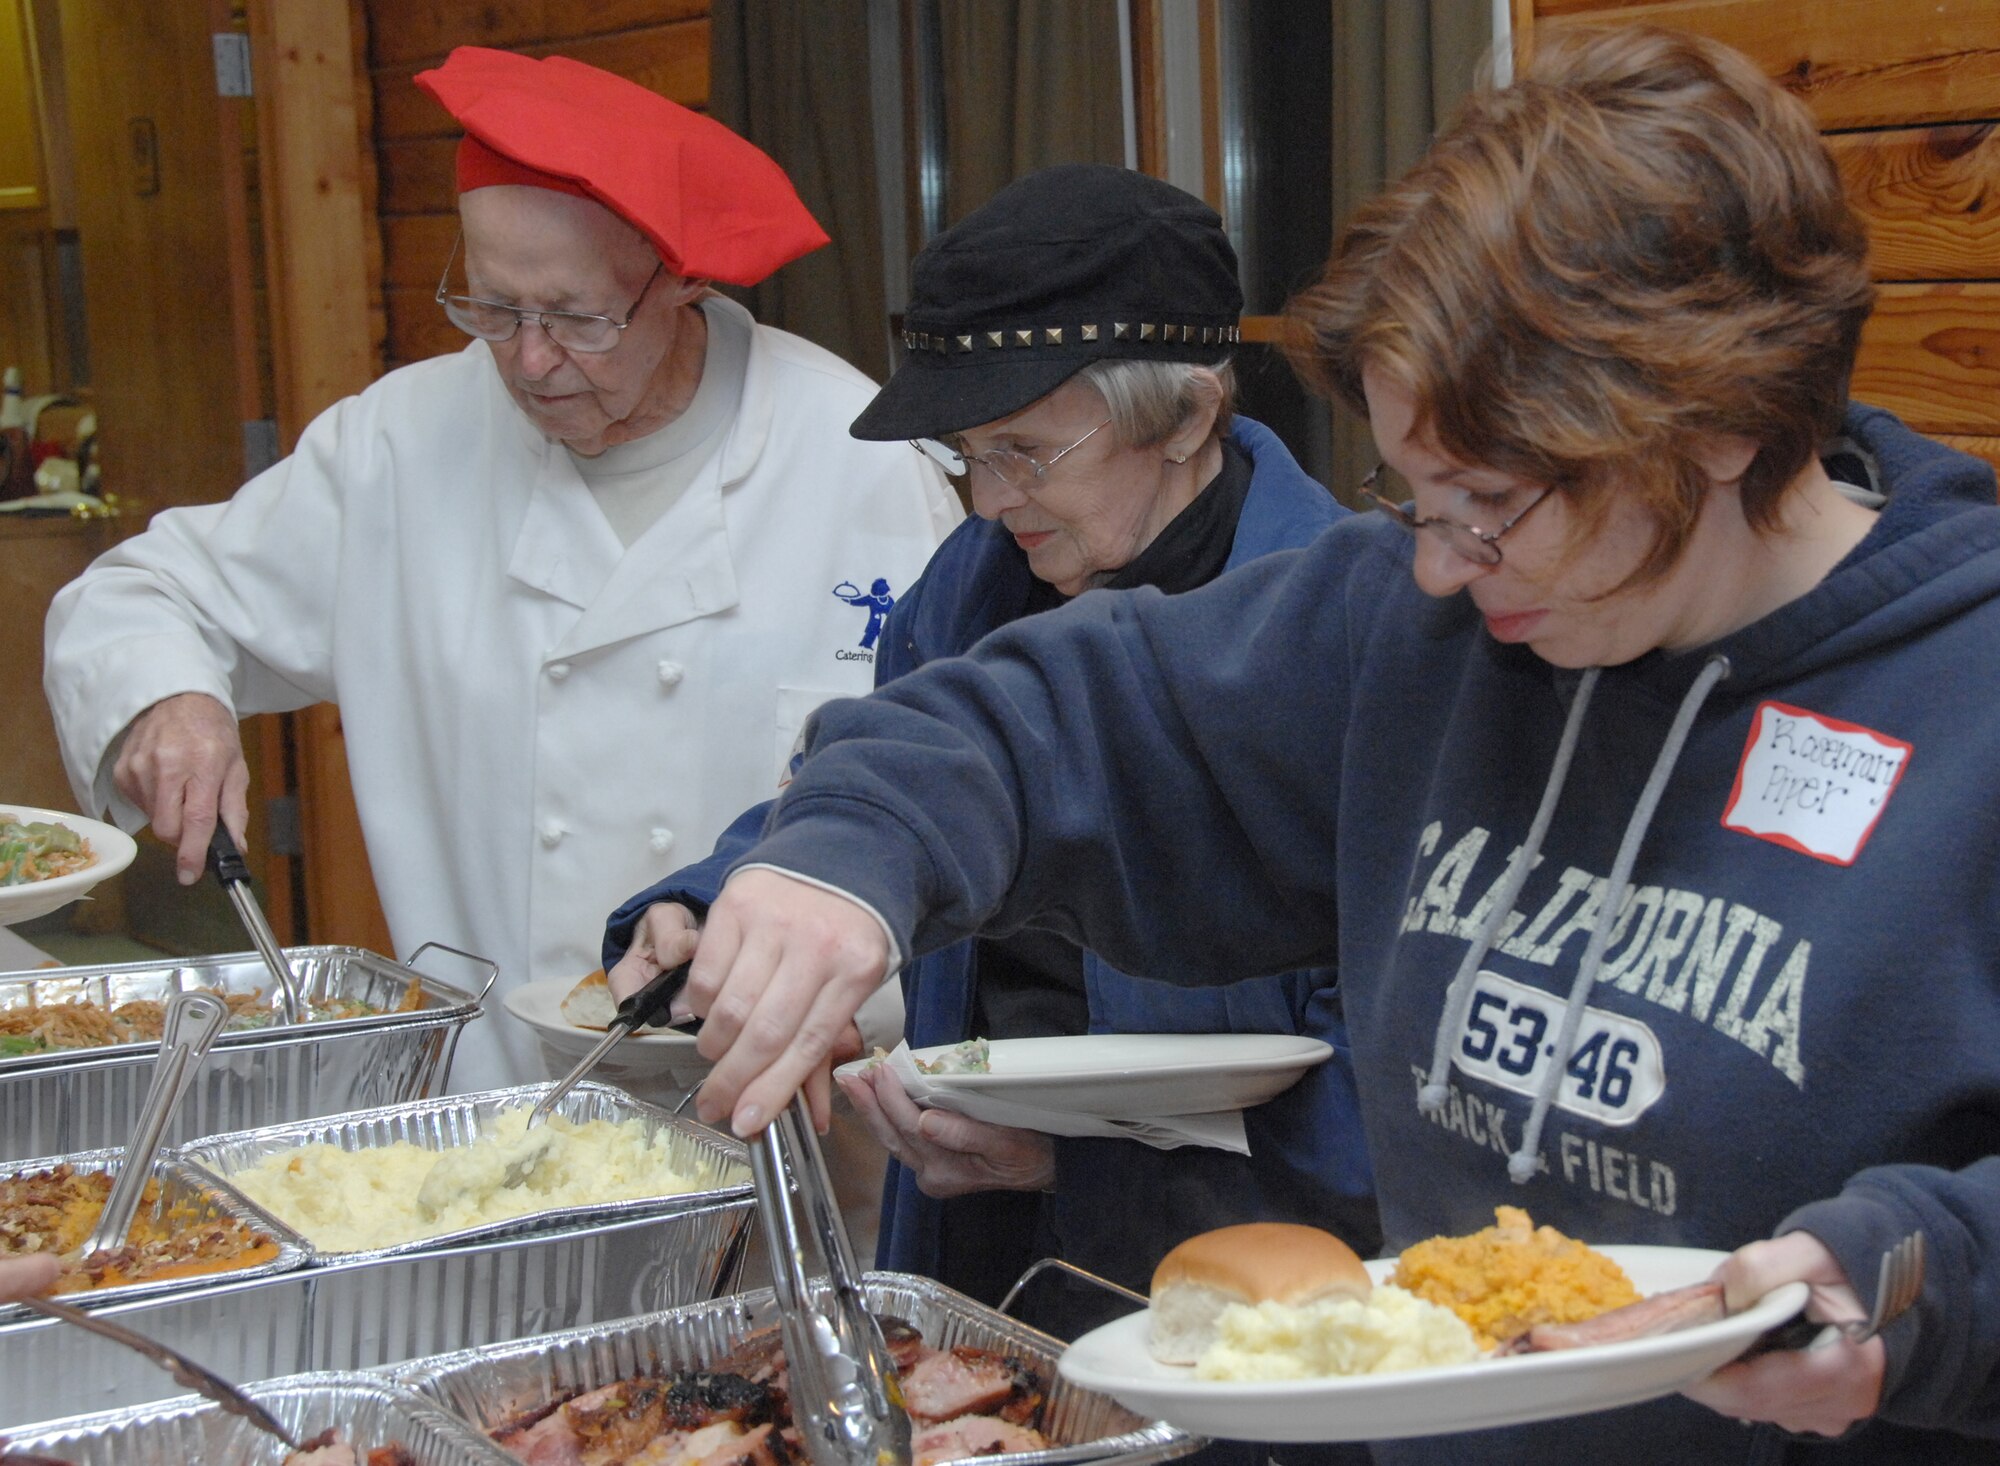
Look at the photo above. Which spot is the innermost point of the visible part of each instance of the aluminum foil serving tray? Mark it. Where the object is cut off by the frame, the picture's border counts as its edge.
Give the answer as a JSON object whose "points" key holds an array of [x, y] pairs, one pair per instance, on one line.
{"points": [[368, 1314], [180, 1186], [493, 1387], [82, 1099], [369, 1411], [719, 1165]]}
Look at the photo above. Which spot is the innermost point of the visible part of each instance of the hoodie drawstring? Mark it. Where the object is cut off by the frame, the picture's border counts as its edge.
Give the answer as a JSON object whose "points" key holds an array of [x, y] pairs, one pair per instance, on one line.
{"points": [[1458, 997], [1524, 1162]]}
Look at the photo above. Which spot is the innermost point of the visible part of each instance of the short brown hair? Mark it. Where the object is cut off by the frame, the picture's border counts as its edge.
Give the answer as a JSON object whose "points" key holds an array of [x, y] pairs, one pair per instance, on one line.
{"points": [[1640, 244]]}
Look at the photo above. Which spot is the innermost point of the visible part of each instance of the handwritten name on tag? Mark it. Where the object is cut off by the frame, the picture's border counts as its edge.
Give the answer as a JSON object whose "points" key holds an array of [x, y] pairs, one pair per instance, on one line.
{"points": [[1813, 784]]}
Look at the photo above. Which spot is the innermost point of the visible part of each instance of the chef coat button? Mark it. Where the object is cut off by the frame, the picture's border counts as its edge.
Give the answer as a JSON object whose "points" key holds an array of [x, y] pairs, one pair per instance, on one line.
{"points": [[558, 671], [671, 674], [661, 841], [552, 834]]}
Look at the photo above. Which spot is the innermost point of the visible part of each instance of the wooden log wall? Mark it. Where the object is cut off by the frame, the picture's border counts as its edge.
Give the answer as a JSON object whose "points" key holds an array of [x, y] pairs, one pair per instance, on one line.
{"points": [[661, 44], [1908, 97]]}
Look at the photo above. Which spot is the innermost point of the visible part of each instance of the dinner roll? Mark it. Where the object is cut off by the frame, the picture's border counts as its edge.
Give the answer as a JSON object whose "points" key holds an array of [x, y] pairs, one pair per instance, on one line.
{"points": [[590, 1004], [1255, 1263]]}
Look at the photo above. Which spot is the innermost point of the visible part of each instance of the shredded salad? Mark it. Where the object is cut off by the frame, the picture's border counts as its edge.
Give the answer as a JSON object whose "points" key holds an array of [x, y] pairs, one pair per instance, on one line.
{"points": [[38, 850]]}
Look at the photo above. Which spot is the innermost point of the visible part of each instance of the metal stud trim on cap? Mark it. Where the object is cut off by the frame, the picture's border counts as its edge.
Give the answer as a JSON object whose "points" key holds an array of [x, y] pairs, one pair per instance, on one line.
{"points": [[1149, 332]]}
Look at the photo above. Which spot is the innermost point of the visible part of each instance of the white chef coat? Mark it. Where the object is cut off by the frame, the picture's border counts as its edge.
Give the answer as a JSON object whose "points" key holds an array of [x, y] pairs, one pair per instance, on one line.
{"points": [[538, 721]]}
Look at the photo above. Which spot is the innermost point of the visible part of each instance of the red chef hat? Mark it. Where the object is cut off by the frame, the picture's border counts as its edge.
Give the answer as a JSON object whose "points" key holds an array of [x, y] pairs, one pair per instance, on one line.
{"points": [[715, 206]]}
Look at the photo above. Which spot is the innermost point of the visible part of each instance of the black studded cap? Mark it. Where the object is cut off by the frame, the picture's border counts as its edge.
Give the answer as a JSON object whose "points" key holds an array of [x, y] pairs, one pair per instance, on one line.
{"points": [[1062, 268]]}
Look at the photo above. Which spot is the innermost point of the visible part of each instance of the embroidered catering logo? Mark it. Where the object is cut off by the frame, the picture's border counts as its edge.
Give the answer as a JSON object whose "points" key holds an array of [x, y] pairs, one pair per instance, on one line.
{"points": [[876, 601]]}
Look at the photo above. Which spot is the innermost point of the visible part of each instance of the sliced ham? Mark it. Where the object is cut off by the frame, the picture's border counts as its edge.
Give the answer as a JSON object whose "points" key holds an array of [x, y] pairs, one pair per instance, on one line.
{"points": [[972, 1435], [324, 1449], [906, 1345], [1663, 1313], [946, 1385], [686, 1447], [760, 1447], [759, 1357], [613, 1422], [543, 1439], [967, 1401]]}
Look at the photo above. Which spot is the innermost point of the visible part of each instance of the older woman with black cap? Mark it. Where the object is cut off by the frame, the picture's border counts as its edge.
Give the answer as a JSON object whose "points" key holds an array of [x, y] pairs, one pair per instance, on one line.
{"points": [[1068, 351]]}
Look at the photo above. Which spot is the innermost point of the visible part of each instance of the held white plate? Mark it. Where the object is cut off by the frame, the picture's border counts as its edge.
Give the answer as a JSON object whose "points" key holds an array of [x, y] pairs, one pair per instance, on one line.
{"points": [[1486, 1393], [539, 1005], [1136, 1076], [657, 1067], [111, 850]]}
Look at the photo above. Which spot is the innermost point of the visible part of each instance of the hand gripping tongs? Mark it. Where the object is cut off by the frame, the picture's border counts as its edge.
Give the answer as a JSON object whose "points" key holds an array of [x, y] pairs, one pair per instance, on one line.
{"points": [[846, 1400], [232, 873]]}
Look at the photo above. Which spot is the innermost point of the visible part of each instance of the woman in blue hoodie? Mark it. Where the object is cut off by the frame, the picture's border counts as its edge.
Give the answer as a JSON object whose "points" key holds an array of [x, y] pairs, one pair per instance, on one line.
{"points": [[1634, 772], [1069, 341]]}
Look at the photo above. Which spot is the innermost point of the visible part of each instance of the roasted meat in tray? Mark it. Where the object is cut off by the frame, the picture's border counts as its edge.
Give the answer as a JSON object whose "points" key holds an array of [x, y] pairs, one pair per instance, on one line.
{"points": [[962, 1402]]}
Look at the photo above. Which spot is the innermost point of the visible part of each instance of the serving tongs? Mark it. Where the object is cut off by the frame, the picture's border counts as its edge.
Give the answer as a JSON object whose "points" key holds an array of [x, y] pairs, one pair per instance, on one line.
{"points": [[197, 1377], [846, 1399], [226, 861], [456, 1172], [647, 1008], [191, 1023]]}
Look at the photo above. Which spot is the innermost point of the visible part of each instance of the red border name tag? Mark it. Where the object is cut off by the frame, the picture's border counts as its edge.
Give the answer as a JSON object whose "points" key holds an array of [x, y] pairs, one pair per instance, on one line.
{"points": [[1813, 784]]}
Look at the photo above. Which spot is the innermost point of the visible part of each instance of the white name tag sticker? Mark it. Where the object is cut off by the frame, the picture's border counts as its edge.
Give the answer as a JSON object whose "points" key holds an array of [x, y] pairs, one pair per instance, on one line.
{"points": [[1813, 784]]}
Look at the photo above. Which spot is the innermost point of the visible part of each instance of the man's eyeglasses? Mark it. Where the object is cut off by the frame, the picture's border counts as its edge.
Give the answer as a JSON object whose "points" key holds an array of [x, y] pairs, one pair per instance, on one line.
{"points": [[1014, 469], [489, 320], [1480, 546]]}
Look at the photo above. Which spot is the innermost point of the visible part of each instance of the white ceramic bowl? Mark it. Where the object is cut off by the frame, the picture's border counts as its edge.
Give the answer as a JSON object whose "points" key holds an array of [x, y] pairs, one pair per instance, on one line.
{"points": [[111, 848]]}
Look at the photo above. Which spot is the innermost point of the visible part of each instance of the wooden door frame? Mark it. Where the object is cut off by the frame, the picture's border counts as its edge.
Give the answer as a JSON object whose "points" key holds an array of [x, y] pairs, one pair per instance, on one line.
{"points": [[322, 255]]}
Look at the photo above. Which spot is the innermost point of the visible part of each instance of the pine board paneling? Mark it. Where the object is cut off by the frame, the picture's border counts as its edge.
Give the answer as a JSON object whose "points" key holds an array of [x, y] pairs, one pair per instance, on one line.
{"points": [[418, 177], [669, 59], [1851, 60], [415, 30], [1931, 197], [417, 326], [414, 249], [1931, 355]]}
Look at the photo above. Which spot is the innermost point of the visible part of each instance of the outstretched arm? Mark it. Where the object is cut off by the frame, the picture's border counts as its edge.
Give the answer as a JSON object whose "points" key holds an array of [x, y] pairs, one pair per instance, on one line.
{"points": [[1155, 778]]}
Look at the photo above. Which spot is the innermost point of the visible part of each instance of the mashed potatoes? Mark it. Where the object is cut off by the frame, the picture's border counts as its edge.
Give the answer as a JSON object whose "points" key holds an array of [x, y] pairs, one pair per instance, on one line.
{"points": [[1393, 1330], [354, 1201], [1509, 1277]]}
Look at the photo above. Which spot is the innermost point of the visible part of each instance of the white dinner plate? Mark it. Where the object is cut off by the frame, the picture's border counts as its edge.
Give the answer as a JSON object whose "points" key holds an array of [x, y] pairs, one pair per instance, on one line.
{"points": [[1137, 1076], [1509, 1390], [111, 848], [654, 1066]]}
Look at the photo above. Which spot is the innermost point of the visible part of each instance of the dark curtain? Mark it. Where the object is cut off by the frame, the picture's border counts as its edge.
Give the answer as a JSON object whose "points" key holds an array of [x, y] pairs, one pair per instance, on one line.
{"points": [[1027, 83], [1399, 68], [794, 80]]}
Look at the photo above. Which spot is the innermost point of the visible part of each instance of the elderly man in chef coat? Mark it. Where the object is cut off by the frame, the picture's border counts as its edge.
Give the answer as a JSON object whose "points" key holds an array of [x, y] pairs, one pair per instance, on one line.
{"points": [[573, 588]]}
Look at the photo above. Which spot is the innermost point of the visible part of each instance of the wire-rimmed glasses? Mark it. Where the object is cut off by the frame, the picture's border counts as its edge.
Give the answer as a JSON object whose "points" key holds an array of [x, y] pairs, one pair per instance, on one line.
{"points": [[490, 320], [1015, 469], [1480, 546]]}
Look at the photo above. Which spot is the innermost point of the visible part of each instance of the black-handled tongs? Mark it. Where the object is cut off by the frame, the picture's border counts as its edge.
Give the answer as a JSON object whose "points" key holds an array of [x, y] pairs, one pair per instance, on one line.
{"points": [[647, 1008], [226, 861]]}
